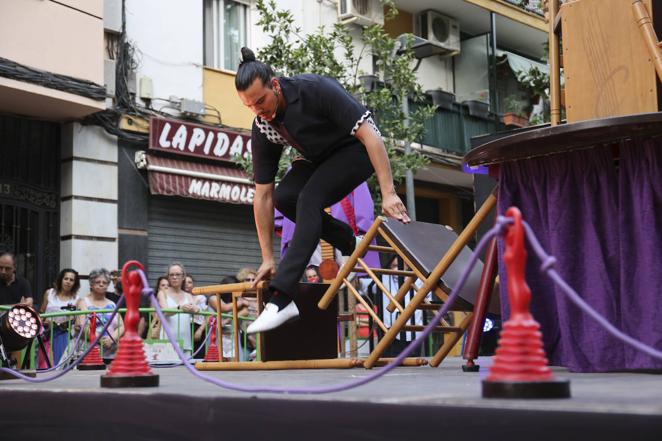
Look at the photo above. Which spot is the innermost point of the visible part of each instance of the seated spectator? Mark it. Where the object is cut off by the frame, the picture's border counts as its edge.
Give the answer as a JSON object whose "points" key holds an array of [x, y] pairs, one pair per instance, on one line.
{"points": [[96, 300], [13, 288], [154, 331], [174, 297], [58, 299], [312, 275]]}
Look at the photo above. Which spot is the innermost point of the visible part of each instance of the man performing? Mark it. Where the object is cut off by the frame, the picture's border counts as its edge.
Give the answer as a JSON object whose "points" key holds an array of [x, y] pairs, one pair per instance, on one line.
{"points": [[340, 148]]}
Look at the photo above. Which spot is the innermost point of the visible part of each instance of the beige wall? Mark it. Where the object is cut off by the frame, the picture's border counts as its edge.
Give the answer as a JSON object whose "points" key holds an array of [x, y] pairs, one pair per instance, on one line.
{"points": [[219, 92], [50, 36]]}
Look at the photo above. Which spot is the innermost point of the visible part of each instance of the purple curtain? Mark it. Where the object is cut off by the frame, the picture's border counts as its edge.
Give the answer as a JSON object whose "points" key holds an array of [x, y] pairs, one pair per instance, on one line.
{"points": [[640, 219], [571, 202]]}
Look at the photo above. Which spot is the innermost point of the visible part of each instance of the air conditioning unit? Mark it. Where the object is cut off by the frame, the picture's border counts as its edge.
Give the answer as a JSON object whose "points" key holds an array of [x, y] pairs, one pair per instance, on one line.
{"points": [[440, 30], [361, 12]]}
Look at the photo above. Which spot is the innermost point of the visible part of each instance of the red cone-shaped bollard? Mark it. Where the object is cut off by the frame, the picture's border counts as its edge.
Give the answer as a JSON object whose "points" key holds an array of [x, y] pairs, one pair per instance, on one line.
{"points": [[212, 351], [92, 360], [130, 368], [520, 367]]}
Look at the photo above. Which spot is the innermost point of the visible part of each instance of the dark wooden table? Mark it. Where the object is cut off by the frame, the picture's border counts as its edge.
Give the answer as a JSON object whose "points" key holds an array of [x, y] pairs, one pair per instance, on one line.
{"points": [[550, 140]]}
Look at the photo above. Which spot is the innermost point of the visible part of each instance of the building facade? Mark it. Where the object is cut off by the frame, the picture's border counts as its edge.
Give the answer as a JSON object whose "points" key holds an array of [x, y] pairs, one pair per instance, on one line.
{"points": [[120, 123]]}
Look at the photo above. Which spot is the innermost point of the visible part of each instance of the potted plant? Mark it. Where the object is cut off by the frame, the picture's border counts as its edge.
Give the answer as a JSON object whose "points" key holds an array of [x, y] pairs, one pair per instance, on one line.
{"points": [[514, 115], [477, 108], [441, 98]]}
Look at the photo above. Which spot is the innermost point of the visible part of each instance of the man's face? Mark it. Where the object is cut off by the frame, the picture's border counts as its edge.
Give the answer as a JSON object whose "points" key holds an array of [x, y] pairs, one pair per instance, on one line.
{"points": [[262, 100], [7, 268]]}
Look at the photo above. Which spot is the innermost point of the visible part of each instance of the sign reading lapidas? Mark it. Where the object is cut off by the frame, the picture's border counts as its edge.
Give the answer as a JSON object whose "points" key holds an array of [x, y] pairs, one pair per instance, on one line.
{"points": [[184, 138]]}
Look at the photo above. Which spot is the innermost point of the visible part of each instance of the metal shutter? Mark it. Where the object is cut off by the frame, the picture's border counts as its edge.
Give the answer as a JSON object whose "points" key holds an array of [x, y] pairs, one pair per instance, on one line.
{"points": [[210, 239]]}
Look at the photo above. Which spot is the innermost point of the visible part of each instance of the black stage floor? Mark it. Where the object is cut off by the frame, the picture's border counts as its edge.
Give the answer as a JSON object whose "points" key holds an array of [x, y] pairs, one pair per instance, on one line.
{"points": [[407, 403]]}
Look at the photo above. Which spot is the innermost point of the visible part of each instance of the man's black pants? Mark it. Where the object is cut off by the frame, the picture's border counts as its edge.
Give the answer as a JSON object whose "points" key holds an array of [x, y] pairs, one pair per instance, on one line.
{"points": [[302, 196]]}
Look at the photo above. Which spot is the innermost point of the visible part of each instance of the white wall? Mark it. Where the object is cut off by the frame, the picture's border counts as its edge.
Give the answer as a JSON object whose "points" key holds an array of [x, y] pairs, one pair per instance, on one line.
{"points": [[310, 15], [168, 35], [436, 72]]}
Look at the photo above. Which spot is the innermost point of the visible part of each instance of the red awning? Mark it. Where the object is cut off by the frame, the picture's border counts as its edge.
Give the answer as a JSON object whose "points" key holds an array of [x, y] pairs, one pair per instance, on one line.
{"points": [[174, 177]]}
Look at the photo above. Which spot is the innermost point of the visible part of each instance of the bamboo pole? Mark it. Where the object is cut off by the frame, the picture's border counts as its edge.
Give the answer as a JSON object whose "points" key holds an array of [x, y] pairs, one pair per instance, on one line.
{"points": [[333, 363], [432, 280], [235, 325], [409, 361], [379, 284], [554, 68], [219, 328], [367, 307], [228, 288], [452, 341], [645, 23], [332, 290]]}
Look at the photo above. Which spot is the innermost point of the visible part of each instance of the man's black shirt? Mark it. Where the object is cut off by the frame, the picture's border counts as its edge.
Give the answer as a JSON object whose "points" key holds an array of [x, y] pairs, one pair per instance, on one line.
{"points": [[320, 117], [12, 294]]}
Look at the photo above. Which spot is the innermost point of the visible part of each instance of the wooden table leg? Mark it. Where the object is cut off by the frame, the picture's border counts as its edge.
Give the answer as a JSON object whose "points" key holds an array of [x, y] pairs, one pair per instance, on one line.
{"points": [[483, 298]]}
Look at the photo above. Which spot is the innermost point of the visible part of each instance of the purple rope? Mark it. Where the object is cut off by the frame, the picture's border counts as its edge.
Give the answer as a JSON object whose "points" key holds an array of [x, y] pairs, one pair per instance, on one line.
{"points": [[70, 356], [179, 363], [21, 376], [547, 268], [340, 387]]}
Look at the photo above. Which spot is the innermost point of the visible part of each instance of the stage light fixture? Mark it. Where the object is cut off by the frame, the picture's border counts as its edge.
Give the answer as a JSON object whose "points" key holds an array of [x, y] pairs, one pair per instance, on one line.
{"points": [[18, 327]]}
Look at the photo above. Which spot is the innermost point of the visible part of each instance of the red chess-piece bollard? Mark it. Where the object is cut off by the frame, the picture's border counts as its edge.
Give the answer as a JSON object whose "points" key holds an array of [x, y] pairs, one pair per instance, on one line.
{"points": [[92, 360], [212, 351], [520, 367], [130, 368]]}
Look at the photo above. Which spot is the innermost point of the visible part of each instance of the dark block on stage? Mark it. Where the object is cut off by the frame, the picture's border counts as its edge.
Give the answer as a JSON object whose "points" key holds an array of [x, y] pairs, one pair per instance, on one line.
{"points": [[313, 336]]}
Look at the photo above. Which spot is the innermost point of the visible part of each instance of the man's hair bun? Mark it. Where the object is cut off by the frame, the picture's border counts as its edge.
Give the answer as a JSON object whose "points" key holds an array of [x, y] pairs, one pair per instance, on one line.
{"points": [[247, 55], [249, 69]]}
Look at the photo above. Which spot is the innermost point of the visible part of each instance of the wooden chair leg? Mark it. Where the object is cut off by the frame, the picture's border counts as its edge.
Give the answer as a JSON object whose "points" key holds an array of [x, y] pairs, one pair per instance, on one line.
{"points": [[450, 343], [326, 299], [483, 298], [235, 325]]}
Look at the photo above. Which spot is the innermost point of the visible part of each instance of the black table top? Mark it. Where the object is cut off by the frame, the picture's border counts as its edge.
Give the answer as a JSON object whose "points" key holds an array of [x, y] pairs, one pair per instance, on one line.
{"points": [[549, 140]]}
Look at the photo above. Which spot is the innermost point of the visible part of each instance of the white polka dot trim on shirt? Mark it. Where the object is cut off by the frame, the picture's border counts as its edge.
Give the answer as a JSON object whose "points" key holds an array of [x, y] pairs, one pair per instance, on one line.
{"points": [[271, 133], [365, 117]]}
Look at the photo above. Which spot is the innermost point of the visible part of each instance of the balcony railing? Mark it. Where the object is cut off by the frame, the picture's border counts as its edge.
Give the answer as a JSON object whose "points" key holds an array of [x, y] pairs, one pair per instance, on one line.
{"points": [[452, 129]]}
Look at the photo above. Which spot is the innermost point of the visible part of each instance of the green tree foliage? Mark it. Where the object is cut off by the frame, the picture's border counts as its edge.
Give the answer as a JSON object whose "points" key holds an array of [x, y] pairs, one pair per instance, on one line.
{"points": [[332, 52]]}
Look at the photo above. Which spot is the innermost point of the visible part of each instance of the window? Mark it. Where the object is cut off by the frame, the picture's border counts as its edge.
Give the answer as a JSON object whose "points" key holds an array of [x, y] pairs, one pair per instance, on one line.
{"points": [[224, 32]]}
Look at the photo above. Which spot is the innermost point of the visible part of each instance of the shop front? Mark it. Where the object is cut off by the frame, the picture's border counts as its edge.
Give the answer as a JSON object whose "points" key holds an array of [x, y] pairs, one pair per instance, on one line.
{"points": [[198, 202]]}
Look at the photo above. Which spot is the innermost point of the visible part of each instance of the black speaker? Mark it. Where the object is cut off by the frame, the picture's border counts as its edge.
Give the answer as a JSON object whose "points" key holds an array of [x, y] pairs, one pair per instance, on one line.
{"points": [[313, 336]]}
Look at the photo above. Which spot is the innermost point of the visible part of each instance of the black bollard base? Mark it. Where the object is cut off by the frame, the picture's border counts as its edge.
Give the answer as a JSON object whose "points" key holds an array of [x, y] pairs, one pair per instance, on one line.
{"points": [[521, 389], [116, 381]]}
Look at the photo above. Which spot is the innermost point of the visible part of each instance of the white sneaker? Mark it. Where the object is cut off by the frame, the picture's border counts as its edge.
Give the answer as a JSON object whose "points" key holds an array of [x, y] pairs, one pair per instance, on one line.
{"points": [[343, 259], [272, 318]]}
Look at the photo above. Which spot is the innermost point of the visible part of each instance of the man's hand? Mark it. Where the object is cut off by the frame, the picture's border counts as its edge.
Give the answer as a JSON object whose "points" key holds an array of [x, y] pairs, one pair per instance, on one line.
{"points": [[393, 207], [266, 271], [27, 301]]}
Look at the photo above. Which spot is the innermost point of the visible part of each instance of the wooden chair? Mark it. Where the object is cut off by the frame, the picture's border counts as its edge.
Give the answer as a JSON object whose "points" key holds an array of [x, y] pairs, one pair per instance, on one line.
{"points": [[436, 257]]}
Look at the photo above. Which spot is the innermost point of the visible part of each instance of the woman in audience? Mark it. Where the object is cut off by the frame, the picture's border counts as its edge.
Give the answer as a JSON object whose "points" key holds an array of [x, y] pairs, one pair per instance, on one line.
{"points": [[96, 300], [174, 297], [58, 299]]}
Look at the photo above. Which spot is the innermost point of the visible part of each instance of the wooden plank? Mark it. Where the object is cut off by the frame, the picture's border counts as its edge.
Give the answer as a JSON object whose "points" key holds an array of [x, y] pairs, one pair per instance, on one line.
{"points": [[608, 71]]}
